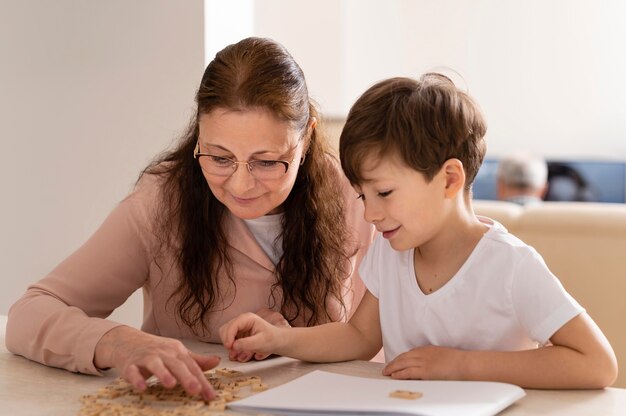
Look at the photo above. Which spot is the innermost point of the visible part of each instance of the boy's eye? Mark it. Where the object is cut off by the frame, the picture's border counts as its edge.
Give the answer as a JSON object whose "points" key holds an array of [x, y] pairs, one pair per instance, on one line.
{"points": [[384, 194], [361, 197]]}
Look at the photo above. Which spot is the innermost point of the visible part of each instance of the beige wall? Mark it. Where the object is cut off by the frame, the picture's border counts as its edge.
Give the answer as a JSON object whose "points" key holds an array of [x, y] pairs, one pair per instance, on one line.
{"points": [[90, 91], [332, 128]]}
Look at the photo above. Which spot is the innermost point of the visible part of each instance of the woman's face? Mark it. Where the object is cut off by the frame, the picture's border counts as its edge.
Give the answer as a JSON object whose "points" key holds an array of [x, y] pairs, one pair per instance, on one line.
{"points": [[245, 136]]}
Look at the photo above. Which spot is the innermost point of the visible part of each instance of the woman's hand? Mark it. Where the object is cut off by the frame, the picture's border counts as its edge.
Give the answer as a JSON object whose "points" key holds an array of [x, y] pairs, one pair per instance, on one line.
{"points": [[138, 355], [272, 317], [426, 363], [249, 335]]}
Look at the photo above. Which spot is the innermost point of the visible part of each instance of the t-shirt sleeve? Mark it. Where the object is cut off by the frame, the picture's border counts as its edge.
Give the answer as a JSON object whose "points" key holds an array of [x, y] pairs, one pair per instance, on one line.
{"points": [[541, 302], [369, 269]]}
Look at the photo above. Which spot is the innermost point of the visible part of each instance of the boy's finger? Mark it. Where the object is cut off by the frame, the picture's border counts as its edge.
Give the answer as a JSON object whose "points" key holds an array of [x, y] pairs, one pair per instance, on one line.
{"points": [[248, 344], [244, 357], [235, 327]]}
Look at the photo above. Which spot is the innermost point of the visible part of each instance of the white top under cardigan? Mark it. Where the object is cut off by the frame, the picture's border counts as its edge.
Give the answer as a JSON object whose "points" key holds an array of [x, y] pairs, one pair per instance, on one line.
{"points": [[266, 231]]}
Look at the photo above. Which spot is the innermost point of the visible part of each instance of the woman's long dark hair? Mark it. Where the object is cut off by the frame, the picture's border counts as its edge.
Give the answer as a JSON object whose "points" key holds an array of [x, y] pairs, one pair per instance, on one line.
{"points": [[251, 74]]}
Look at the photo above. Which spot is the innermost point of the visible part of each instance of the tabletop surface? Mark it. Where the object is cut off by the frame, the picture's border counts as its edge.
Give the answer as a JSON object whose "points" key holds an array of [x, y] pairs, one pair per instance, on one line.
{"points": [[29, 388]]}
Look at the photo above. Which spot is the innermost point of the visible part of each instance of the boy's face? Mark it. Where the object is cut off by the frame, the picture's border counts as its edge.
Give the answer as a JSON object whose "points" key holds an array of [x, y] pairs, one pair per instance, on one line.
{"points": [[398, 200]]}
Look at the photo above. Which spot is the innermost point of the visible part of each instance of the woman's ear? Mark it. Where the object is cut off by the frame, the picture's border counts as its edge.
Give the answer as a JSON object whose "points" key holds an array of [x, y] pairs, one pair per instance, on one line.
{"points": [[308, 137], [309, 133], [454, 176], [310, 128]]}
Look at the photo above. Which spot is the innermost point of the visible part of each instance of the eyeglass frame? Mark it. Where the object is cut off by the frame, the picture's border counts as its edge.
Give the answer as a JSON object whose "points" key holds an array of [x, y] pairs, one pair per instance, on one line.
{"points": [[236, 163]]}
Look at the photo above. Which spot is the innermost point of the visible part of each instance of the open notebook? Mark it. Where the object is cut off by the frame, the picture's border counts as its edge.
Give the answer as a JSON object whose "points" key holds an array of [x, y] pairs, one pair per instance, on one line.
{"points": [[323, 393]]}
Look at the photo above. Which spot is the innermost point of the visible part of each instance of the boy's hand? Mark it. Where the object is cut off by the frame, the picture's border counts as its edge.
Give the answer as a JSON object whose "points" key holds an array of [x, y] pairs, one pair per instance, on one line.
{"points": [[274, 318], [249, 334], [426, 363]]}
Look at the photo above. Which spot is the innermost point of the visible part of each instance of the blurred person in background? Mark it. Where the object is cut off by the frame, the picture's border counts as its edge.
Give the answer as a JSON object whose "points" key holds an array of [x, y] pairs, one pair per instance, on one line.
{"points": [[522, 178]]}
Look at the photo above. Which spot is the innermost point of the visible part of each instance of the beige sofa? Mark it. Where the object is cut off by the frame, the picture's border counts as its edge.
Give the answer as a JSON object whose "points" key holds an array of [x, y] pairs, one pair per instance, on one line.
{"points": [[584, 244]]}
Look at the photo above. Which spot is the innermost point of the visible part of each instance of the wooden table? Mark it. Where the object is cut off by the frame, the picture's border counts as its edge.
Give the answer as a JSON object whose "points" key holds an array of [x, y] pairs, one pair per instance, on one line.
{"points": [[29, 388]]}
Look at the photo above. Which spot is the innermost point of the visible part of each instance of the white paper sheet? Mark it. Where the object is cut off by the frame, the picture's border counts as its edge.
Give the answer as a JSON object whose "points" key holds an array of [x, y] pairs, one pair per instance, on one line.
{"points": [[323, 393]]}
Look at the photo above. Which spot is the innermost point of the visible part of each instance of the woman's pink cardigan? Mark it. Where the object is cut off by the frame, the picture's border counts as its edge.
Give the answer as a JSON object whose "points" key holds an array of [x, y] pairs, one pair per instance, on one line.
{"points": [[61, 318]]}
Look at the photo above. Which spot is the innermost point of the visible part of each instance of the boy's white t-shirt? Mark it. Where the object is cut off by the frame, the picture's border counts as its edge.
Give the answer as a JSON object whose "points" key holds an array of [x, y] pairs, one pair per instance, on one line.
{"points": [[503, 298]]}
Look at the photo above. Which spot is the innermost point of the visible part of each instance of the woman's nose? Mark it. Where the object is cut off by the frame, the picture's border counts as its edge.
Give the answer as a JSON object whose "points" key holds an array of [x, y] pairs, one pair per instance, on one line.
{"points": [[241, 180]]}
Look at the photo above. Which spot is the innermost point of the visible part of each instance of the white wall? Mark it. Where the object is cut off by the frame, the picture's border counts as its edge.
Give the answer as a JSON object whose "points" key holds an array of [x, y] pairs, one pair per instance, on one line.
{"points": [[548, 74], [90, 91], [226, 22]]}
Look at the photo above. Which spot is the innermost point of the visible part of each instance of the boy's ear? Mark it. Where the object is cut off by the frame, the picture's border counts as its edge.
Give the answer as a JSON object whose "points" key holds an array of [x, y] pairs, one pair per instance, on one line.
{"points": [[455, 177]]}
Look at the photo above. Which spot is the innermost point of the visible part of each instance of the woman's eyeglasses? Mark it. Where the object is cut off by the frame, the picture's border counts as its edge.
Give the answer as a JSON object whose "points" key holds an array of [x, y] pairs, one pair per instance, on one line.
{"points": [[225, 166]]}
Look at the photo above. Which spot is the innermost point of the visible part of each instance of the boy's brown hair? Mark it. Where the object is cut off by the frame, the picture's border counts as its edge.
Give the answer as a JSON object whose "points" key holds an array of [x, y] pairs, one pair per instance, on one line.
{"points": [[425, 122]]}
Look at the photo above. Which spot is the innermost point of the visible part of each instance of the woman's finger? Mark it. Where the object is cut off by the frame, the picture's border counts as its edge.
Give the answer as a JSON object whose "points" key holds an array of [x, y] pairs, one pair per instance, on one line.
{"points": [[184, 376], [132, 374], [206, 362], [206, 390], [160, 371]]}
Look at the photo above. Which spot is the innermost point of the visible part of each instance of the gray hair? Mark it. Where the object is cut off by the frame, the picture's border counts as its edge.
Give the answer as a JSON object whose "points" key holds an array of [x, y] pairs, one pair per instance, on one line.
{"points": [[523, 170]]}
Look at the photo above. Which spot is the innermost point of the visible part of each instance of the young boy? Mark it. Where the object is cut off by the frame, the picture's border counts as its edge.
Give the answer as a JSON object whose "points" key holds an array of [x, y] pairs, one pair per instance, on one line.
{"points": [[450, 295]]}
